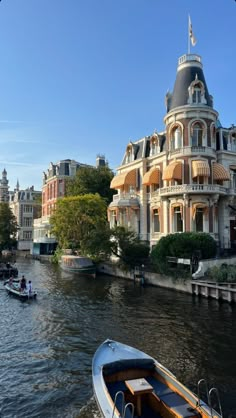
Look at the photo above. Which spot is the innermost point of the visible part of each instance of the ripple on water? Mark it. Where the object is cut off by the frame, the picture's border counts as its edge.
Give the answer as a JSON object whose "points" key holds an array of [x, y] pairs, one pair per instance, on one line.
{"points": [[47, 345]]}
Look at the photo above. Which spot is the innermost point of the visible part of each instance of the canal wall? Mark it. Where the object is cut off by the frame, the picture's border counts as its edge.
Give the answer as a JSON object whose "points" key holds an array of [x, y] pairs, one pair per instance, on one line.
{"points": [[202, 287], [153, 279]]}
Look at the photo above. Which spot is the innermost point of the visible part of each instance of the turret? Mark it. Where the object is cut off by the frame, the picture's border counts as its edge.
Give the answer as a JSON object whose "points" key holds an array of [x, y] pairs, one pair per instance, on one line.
{"points": [[190, 87]]}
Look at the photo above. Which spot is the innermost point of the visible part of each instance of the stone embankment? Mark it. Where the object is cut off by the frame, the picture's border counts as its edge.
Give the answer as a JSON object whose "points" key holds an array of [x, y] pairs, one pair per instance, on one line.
{"points": [[199, 287]]}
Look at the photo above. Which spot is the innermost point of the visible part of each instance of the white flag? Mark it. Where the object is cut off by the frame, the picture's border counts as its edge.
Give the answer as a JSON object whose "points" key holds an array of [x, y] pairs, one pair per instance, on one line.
{"points": [[191, 35]]}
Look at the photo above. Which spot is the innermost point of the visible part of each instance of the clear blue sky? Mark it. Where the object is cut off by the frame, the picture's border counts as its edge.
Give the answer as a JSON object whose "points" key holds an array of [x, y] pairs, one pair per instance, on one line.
{"points": [[83, 77]]}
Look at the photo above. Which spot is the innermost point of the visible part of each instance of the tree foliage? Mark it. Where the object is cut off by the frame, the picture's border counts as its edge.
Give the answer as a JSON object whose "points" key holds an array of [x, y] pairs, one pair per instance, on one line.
{"points": [[75, 220], [91, 180], [8, 227]]}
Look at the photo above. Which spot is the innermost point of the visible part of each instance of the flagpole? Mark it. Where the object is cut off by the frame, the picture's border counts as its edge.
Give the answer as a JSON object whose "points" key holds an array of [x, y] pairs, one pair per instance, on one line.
{"points": [[188, 36]]}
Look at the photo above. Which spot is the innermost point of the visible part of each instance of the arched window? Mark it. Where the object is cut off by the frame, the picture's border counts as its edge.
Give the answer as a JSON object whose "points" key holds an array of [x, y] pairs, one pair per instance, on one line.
{"points": [[200, 213], [233, 142], [156, 221], [199, 220], [176, 138], [177, 220], [197, 135]]}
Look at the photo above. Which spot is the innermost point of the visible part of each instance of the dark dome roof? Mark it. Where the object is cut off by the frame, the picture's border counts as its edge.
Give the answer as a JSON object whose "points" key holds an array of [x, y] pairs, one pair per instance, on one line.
{"points": [[189, 68]]}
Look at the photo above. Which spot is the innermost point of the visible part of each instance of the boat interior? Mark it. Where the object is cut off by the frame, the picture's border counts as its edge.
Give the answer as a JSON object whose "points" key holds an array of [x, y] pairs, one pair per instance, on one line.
{"points": [[137, 388]]}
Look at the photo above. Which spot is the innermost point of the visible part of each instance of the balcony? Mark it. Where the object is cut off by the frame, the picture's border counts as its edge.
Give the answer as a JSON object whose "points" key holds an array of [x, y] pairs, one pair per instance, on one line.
{"points": [[192, 151], [192, 189], [125, 199]]}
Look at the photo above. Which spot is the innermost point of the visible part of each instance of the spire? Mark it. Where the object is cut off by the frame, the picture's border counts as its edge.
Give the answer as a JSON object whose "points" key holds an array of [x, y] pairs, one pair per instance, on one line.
{"points": [[17, 185]]}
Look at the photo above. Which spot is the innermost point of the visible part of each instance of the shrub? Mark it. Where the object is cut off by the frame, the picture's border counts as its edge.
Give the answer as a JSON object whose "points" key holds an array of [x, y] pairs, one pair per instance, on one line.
{"points": [[184, 245], [222, 274]]}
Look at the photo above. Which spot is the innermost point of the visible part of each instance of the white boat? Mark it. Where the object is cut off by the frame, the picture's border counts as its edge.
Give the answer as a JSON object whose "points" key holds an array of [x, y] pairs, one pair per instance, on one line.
{"points": [[128, 383], [15, 290], [78, 264]]}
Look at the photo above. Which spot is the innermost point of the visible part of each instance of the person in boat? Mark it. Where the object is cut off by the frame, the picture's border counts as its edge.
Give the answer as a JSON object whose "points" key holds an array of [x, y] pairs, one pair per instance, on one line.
{"points": [[23, 284], [29, 288], [10, 282]]}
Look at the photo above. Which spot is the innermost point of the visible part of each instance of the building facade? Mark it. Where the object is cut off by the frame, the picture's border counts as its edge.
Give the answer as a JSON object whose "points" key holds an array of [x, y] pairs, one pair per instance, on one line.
{"points": [[54, 185], [182, 179], [26, 206]]}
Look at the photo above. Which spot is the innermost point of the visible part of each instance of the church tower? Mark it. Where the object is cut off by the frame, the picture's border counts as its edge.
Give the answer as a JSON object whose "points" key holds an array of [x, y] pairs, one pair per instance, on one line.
{"points": [[4, 187]]}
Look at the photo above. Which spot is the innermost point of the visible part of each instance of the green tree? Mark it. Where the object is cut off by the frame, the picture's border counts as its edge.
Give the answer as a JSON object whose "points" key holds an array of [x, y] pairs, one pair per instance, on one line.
{"points": [[126, 245], [8, 227], [75, 220], [91, 180]]}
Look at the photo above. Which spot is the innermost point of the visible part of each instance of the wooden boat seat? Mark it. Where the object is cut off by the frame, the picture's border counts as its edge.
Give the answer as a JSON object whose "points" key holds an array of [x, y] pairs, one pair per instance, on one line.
{"points": [[160, 388], [173, 400]]}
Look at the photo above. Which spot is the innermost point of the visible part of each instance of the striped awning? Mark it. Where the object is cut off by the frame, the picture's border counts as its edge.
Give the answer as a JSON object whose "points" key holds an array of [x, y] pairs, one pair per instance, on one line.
{"points": [[220, 172], [126, 178], [200, 168], [152, 177], [173, 171]]}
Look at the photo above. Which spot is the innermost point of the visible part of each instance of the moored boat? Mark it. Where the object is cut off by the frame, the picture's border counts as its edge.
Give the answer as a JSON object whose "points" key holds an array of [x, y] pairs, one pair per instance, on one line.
{"points": [[7, 270], [128, 383], [14, 289], [78, 264]]}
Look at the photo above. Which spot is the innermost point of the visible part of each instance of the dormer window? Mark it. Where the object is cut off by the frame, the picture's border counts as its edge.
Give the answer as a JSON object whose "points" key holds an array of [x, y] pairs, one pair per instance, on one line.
{"points": [[153, 148], [197, 95], [196, 92], [154, 144], [129, 154]]}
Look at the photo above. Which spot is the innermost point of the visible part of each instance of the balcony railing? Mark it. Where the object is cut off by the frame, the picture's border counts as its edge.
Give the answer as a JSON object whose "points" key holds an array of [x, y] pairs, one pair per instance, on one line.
{"points": [[189, 57], [194, 150], [125, 196], [193, 188]]}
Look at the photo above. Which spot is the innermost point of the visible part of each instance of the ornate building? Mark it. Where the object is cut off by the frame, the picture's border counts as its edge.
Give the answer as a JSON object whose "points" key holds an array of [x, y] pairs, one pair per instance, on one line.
{"points": [[182, 179], [54, 182], [26, 206]]}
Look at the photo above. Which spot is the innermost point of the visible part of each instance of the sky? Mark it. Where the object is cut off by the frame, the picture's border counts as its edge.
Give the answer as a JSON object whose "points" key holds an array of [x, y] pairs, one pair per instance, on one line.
{"points": [[80, 78]]}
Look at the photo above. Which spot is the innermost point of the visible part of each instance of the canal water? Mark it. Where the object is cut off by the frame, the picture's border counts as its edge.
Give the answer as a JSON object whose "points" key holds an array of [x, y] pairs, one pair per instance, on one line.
{"points": [[47, 345]]}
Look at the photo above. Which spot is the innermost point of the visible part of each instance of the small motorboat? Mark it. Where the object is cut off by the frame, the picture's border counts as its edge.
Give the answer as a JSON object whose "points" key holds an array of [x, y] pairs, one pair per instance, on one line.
{"points": [[128, 383], [14, 289]]}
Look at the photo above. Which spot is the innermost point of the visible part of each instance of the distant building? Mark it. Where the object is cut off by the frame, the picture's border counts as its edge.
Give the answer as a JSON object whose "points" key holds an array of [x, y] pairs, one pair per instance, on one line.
{"points": [[4, 187], [54, 182], [26, 206], [184, 178]]}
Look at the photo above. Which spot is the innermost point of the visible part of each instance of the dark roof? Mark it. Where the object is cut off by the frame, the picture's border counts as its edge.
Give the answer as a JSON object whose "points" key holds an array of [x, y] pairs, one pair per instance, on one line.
{"points": [[185, 76]]}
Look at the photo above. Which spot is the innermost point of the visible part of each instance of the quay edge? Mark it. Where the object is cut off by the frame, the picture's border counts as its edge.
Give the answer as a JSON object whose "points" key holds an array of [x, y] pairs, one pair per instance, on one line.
{"points": [[201, 287]]}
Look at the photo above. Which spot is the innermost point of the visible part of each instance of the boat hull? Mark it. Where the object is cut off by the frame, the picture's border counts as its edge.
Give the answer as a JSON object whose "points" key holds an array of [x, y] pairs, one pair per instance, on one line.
{"points": [[78, 264], [124, 377]]}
